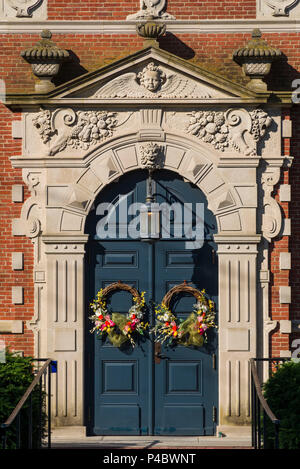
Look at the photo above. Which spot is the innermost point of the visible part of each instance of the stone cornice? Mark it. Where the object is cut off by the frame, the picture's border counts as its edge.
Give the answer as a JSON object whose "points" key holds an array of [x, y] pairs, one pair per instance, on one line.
{"points": [[46, 162], [34, 102], [29, 26], [64, 239], [237, 245]]}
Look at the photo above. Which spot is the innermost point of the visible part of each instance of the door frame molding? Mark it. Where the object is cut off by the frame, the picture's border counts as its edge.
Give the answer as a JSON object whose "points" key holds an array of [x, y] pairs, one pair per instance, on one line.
{"points": [[57, 232]]}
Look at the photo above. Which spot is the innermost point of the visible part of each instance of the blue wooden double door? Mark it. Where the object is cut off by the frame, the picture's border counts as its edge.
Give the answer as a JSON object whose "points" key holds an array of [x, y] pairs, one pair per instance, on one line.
{"points": [[144, 390]]}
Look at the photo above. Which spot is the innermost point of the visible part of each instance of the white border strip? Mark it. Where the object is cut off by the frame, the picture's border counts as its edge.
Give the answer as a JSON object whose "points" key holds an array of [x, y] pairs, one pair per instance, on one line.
{"points": [[128, 27]]}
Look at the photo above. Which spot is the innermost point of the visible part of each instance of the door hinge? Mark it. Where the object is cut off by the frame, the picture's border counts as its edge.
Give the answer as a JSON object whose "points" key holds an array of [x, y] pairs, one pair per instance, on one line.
{"points": [[214, 414]]}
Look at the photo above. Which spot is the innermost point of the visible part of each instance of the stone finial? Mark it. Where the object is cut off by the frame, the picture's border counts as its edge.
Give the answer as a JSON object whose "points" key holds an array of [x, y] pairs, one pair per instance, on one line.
{"points": [[256, 58], [45, 58], [151, 9]]}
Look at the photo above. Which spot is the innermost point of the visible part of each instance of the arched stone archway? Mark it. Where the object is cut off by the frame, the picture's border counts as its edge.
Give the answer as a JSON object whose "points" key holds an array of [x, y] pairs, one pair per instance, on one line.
{"points": [[56, 226], [232, 201]]}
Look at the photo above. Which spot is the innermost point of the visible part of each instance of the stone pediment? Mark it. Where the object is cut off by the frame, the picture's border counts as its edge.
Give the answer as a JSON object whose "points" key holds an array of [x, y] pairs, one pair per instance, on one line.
{"points": [[153, 82], [153, 74], [148, 75]]}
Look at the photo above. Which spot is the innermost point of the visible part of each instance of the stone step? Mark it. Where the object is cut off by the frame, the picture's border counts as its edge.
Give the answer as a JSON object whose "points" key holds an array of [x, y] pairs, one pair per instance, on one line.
{"points": [[75, 437]]}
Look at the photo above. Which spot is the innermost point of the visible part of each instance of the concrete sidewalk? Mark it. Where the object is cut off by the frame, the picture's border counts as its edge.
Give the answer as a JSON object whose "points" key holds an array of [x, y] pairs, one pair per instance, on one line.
{"points": [[74, 437]]}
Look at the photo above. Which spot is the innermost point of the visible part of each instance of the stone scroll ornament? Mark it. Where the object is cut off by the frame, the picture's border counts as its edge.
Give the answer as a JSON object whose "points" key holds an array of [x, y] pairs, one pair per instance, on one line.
{"points": [[119, 328], [281, 7], [235, 129], [24, 8], [272, 216], [192, 331], [65, 128], [151, 82], [151, 9]]}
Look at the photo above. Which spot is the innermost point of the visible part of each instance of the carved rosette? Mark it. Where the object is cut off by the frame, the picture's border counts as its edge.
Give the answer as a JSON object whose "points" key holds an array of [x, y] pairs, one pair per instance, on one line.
{"points": [[228, 130]]}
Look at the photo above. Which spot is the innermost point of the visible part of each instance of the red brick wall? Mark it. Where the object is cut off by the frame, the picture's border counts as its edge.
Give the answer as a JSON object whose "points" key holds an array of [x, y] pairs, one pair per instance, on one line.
{"points": [[294, 213], [211, 51], [89, 52], [10, 244]]}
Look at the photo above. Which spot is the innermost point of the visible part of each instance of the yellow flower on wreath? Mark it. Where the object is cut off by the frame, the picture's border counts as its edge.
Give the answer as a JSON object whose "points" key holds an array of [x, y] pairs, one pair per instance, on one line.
{"points": [[113, 325], [170, 329]]}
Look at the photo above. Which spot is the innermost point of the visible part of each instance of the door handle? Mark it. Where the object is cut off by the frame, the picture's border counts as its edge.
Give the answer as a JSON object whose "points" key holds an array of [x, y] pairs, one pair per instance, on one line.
{"points": [[157, 353]]}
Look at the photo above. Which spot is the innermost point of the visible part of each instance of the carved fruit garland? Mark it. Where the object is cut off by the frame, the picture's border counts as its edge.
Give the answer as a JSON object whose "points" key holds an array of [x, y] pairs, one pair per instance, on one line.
{"points": [[91, 128], [225, 130]]}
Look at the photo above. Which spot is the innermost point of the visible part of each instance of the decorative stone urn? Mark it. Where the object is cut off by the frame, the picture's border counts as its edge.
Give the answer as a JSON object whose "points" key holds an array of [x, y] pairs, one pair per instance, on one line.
{"points": [[256, 59], [45, 59], [151, 31]]}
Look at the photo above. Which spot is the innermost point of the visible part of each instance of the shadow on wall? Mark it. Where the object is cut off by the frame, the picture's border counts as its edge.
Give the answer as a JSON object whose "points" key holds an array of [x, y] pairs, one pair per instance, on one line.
{"points": [[282, 75], [280, 78], [172, 44], [70, 70]]}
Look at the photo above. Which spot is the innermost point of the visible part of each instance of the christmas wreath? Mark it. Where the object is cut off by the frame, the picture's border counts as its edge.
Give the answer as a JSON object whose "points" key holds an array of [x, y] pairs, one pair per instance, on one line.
{"points": [[190, 331], [119, 328]]}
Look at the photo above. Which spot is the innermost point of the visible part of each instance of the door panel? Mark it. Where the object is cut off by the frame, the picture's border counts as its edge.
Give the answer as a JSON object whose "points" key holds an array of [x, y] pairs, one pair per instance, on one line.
{"points": [[186, 382], [121, 378], [128, 391]]}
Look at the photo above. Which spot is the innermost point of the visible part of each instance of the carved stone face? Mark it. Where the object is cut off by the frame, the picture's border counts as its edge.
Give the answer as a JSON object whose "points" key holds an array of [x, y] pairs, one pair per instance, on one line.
{"points": [[151, 80]]}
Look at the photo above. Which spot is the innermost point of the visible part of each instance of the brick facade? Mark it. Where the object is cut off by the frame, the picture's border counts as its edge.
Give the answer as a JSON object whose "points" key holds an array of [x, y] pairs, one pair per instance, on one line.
{"points": [[182, 10], [212, 51]]}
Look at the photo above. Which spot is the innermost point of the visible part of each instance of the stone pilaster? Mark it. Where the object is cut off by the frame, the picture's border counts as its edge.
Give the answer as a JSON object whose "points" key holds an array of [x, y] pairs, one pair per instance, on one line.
{"points": [[237, 325], [65, 319]]}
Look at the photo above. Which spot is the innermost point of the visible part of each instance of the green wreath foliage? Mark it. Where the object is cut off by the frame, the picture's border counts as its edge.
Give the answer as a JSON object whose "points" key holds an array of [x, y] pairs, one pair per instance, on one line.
{"points": [[119, 328], [191, 331]]}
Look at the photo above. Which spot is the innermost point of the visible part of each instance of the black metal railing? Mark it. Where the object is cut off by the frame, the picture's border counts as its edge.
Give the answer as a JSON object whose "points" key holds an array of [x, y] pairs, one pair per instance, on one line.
{"points": [[265, 425], [37, 434]]}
